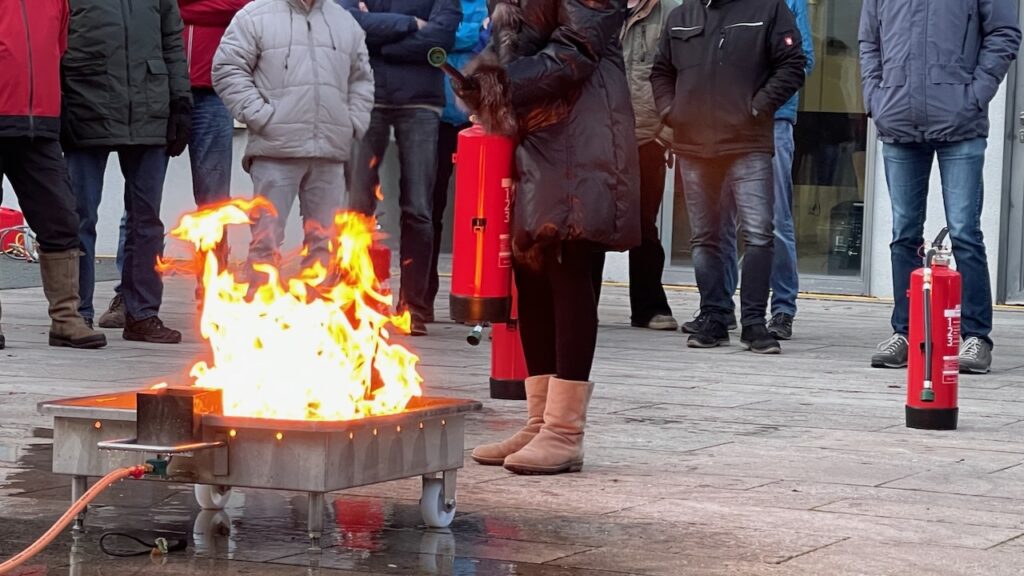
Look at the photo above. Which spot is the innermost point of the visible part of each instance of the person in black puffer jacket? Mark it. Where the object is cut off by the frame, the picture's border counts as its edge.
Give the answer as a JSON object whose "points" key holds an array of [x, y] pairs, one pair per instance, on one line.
{"points": [[553, 77]]}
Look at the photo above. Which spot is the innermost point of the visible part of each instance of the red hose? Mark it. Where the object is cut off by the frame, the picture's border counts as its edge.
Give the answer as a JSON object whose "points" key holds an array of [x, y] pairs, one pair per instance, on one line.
{"points": [[69, 516]]}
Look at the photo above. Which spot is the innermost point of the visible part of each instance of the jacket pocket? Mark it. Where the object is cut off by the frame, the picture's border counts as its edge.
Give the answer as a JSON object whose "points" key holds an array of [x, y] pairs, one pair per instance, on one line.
{"points": [[686, 52], [890, 104], [158, 93], [86, 90]]}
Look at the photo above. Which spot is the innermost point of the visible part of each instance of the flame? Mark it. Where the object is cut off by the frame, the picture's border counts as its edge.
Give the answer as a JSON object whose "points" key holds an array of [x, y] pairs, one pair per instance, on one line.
{"points": [[378, 192], [311, 347]]}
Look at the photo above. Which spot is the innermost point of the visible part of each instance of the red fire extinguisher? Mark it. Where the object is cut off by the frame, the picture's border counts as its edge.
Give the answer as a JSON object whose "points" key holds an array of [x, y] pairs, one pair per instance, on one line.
{"points": [[482, 287], [934, 355]]}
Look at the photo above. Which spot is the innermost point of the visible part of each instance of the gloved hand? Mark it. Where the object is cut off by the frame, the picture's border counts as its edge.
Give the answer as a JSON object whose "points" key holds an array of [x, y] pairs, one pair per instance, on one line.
{"points": [[179, 126]]}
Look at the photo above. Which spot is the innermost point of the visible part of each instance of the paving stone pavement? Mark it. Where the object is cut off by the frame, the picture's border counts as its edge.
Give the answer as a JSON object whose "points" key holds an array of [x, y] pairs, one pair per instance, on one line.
{"points": [[698, 462]]}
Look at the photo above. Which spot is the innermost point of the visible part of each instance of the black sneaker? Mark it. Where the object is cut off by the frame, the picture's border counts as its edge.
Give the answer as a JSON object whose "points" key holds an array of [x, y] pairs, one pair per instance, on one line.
{"points": [[712, 334], [758, 340], [781, 326], [150, 330], [3, 342], [892, 353], [694, 326], [418, 327]]}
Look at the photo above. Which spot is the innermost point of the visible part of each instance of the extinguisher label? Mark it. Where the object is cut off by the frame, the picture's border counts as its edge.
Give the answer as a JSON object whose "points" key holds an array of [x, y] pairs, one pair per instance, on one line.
{"points": [[953, 327], [506, 184], [950, 369], [504, 251]]}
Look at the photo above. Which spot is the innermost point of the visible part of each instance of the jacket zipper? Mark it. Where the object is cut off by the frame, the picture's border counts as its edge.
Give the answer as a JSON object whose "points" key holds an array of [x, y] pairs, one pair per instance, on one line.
{"points": [[967, 30], [191, 38], [643, 43], [316, 83], [31, 71], [125, 8]]}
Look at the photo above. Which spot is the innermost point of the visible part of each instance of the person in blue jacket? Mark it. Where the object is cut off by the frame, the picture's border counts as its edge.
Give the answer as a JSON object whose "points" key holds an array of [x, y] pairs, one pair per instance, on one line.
{"points": [[928, 75], [784, 276], [409, 96], [470, 38]]}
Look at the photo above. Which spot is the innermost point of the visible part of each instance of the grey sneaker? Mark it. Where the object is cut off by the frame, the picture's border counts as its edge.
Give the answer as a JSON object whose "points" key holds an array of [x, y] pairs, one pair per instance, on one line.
{"points": [[114, 316], [781, 326], [892, 353], [662, 322], [975, 356]]}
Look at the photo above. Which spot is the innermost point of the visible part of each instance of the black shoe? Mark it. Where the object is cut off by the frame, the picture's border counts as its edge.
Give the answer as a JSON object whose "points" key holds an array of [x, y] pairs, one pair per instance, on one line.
{"points": [[712, 334], [418, 327], [150, 330], [3, 342], [781, 326], [757, 339], [694, 326]]}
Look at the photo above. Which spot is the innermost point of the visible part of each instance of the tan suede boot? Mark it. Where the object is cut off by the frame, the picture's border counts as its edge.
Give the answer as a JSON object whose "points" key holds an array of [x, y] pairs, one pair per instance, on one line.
{"points": [[60, 284], [558, 447], [536, 396]]}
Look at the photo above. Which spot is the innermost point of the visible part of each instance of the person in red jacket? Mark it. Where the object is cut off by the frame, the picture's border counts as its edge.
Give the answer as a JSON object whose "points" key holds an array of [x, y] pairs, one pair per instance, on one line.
{"points": [[209, 148], [33, 34]]}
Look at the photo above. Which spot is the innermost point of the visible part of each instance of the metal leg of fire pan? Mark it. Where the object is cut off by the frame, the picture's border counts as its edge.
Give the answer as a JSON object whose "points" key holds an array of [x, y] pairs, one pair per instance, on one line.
{"points": [[79, 484], [316, 520]]}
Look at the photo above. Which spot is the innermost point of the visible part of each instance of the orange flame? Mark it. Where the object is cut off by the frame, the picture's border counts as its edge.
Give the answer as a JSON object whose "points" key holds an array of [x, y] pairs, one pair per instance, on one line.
{"points": [[378, 192], [312, 347]]}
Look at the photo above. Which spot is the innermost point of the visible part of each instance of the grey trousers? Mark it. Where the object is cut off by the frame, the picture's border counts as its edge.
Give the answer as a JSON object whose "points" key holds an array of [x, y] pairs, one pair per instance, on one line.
{"points": [[319, 186]]}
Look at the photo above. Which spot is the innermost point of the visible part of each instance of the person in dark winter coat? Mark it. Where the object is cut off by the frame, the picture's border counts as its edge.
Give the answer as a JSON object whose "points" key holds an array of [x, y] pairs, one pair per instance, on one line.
{"points": [[553, 77], [409, 95], [724, 69], [929, 70], [33, 34], [126, 90], [209, 148]]}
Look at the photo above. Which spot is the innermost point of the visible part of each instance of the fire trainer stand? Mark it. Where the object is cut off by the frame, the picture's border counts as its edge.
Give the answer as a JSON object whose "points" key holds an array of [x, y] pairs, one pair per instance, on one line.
{"points": [[182, 432]]}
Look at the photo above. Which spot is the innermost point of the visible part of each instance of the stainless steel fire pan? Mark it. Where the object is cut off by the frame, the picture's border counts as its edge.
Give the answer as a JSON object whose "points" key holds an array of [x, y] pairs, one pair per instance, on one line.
{"points": [[308, 456]]}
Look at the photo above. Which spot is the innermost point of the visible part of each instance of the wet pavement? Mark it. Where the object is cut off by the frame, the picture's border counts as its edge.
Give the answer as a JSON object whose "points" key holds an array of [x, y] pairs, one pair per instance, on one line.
{"points": [[698, 462]]}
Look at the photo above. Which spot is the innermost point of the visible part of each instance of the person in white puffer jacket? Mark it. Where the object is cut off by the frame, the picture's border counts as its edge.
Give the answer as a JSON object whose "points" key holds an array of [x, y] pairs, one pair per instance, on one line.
{"points": [[297, 74]]}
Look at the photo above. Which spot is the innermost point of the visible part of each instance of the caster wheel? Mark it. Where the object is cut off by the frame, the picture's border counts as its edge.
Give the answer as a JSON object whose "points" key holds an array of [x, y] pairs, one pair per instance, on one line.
{"points": [[212, 497], [432, 506], [211, 531]]}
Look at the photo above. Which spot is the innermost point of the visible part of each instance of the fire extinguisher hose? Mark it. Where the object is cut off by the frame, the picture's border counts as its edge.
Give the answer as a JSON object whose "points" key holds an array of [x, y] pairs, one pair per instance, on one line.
{"points": [[927, 391], [69, 516]]}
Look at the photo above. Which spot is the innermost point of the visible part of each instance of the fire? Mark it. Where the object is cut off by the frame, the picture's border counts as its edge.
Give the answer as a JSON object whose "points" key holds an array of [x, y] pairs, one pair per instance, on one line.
{"points": [[311, 347]]}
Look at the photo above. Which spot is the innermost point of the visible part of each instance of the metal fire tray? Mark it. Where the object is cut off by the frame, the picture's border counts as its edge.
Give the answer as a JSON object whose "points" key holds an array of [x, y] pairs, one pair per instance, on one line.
{"points": [[95, 434]]}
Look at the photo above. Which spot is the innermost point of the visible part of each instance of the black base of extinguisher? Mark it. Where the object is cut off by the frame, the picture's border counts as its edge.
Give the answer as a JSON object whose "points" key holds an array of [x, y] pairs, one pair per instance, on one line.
{"points": [[940, 419], [477, 310], [508, 389]]}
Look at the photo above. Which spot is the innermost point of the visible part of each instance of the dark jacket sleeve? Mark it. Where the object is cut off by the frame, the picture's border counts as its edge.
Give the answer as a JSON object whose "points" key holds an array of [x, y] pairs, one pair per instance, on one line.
{"points": [[586, 29], [209, 12], [663, 73], [1000, 41], [381, 27], [444, 19], [870, 44], [787, 61], [171, 29]]}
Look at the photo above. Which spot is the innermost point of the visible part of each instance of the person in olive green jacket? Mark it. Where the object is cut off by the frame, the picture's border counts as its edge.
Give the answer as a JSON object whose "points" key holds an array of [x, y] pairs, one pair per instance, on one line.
{"points": [[640, 36], [126, 90]]}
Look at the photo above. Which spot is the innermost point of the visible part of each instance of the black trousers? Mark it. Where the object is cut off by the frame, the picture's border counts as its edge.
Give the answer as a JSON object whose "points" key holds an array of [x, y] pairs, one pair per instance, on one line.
{"points": [[447, 140], [39, 176], [558, 311], [647, 261]]}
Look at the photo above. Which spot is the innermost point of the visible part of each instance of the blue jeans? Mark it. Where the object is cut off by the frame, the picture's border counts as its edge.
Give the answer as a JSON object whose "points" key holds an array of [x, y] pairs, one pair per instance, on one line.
{"points": [[746, 180], [416, 134], [143, 168], [907, 168], [209, 152], [785, 281]]}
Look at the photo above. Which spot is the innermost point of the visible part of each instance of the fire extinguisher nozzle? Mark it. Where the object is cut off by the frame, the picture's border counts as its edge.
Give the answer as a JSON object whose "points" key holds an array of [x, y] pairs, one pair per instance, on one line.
{"points": [[476, 335], [927, 395]]}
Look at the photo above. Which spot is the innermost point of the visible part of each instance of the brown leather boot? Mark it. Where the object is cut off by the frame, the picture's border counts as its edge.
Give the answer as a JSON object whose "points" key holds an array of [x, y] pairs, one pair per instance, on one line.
{"points": [[558, 447], [60, 284], [536, 395]]}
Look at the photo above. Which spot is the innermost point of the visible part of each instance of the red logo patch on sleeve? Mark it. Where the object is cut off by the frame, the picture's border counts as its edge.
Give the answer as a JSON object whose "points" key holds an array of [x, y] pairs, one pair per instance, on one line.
{"points": [[789, 40]]}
